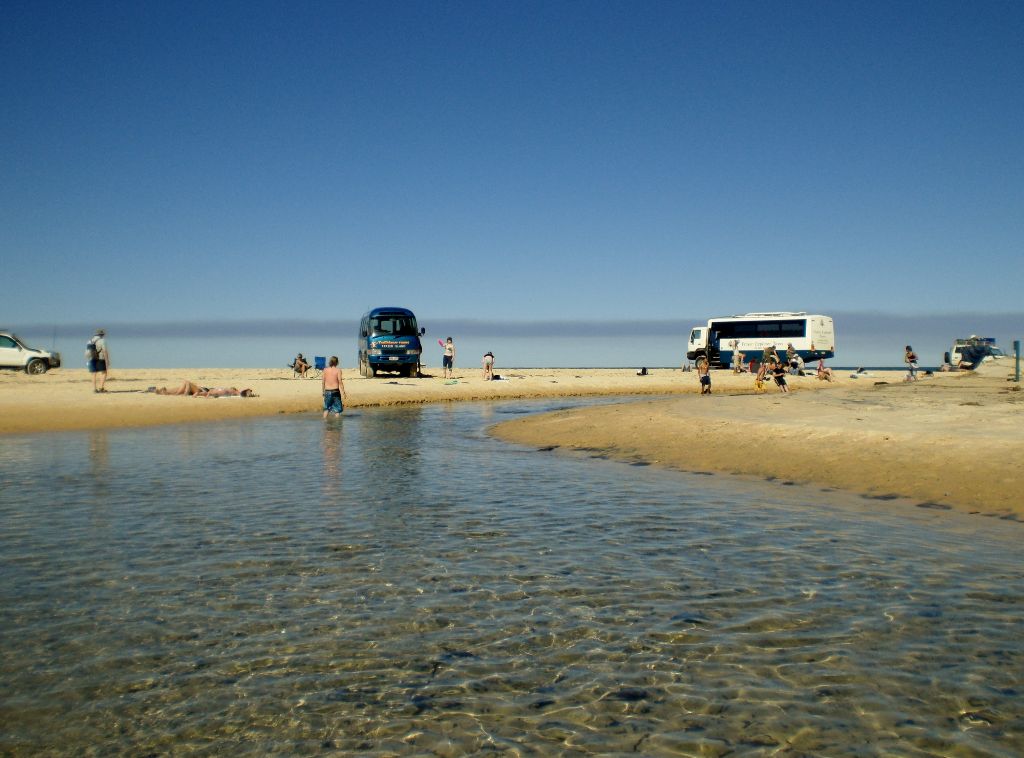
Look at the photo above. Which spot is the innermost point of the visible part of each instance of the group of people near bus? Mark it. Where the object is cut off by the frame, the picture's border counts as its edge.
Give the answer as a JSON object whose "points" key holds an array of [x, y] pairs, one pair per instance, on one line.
{"points": [[771, 367]]}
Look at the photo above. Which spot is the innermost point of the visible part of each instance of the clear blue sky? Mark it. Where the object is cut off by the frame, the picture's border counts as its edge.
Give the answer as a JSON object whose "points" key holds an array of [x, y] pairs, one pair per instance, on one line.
{"points": [[513, 161]]}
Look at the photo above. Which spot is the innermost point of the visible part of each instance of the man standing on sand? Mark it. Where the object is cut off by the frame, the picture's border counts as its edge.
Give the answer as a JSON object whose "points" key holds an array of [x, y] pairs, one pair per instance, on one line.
{"points": [[99, 360], [334, 388], [488, 364]]}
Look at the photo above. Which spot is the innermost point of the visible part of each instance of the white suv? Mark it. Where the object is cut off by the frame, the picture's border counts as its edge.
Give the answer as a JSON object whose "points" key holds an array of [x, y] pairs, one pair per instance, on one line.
{"points": [[16, 354]]}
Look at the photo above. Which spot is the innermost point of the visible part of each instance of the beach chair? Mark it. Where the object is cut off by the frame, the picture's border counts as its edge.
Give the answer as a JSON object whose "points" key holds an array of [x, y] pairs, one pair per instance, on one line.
{"points": [[319, 364]]}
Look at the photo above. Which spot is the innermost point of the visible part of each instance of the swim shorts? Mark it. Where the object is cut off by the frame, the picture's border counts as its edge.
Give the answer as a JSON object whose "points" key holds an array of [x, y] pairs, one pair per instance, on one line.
{"points": [[447, 361], [98, 366], [705, 379], [332, 401]]}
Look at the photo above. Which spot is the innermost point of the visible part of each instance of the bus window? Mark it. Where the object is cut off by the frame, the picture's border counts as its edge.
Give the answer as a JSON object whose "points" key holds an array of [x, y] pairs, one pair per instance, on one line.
{"points": [[793, 328], [695, 335]]}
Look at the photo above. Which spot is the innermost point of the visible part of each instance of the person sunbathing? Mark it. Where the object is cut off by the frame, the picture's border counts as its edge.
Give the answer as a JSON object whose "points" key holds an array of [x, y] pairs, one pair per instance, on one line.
{"points": [[186, 388], [227, 392], [194, 390]]}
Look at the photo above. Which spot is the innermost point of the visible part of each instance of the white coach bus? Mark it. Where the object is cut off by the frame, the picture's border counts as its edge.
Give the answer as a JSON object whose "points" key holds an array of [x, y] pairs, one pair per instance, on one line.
{"points": [[813, 337]]}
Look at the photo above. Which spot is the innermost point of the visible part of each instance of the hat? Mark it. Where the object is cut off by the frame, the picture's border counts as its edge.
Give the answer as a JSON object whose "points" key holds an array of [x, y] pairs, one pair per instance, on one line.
{"points": [[100, 332]]}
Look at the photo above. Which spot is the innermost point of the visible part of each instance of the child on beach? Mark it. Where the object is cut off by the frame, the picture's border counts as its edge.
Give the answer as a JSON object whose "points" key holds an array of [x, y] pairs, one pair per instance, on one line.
{"points": [[704, 372], [910, 358], [488, 364], [759, 378], [778, 370]]}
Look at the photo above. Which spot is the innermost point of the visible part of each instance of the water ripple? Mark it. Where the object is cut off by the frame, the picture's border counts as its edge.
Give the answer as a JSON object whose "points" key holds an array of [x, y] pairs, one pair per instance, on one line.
{"points": [[399, 584]]}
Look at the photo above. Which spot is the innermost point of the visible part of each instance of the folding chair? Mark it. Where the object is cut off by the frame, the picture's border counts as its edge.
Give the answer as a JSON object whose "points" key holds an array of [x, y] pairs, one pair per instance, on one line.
{"points": [[319, 364]]}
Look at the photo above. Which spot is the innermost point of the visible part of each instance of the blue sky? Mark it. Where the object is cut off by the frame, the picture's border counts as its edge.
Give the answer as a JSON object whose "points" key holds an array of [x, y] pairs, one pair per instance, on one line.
{"points": [[202, 163]]}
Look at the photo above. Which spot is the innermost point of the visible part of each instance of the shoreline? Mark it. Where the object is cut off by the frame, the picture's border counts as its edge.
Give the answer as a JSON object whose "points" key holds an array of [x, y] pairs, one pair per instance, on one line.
{"points": [[951, 441]]}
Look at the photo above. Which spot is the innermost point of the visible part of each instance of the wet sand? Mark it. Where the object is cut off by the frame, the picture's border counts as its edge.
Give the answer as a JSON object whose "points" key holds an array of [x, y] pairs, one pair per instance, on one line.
{"points": [[947, 441]]}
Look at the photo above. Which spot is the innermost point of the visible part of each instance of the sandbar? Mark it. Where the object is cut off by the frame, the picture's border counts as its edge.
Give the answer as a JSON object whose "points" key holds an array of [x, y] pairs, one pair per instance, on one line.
{"points": [[949, 441]]}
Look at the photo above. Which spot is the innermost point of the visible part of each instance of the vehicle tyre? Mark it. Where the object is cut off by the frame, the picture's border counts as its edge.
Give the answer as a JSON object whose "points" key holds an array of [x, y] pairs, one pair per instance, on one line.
{"points": [[36, 366]]}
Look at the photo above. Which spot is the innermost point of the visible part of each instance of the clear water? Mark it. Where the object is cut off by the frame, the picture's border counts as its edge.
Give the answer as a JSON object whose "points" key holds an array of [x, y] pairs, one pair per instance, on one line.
{"points": [[398, 583]]}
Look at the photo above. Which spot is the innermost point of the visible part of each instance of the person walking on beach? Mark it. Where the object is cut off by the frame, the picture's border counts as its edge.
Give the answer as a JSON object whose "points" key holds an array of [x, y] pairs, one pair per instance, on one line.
{"points": [[98, 358], [334, 388], [910, 358], [488, 364], [704, 374], [448, 360], [737, 357]]}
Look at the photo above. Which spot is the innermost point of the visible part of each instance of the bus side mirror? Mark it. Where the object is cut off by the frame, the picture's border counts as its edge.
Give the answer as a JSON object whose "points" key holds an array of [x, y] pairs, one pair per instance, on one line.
{"points": [[423, 331]]}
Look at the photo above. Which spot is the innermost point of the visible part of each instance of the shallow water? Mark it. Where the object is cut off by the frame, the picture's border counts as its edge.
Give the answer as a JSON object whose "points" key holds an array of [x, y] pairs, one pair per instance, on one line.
{"points": [[396, 582]]}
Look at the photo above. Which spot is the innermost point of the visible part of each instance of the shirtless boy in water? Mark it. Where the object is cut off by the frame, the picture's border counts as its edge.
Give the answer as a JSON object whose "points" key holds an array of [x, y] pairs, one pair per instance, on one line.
{"points": [[333, 386]]}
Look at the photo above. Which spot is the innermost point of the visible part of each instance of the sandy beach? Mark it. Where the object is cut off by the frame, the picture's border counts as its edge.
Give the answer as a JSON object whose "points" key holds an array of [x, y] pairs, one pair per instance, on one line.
{"points": [[947, 441], [63, 399]]}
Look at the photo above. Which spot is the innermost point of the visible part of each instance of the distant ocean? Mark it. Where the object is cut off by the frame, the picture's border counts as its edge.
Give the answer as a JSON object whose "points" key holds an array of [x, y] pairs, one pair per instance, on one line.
{"points": [[271, 351]]}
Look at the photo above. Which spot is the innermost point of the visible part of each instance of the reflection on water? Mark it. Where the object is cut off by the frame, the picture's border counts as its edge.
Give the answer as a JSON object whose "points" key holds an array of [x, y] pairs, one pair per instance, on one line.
{"points": [[394, 582]]}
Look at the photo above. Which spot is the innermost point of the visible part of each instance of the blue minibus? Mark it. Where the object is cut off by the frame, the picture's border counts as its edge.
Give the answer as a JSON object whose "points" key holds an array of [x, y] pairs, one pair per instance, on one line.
{"points": [[389, 340]]}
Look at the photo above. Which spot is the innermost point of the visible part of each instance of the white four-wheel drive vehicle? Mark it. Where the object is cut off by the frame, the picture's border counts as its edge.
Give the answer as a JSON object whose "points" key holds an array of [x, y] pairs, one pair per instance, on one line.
{"points": [[16, 354]]}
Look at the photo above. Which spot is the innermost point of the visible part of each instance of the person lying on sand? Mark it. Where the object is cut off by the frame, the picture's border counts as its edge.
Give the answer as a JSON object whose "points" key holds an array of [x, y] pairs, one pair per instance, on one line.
{"points": [[194, 390]]}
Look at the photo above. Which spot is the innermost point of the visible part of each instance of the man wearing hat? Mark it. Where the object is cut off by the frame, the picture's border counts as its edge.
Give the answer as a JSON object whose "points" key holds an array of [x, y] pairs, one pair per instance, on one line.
{"points": [[99, 359]]}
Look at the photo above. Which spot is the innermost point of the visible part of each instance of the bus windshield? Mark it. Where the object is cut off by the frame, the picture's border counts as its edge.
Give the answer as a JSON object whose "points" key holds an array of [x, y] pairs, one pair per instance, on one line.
{"points": [[394, 326]]}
